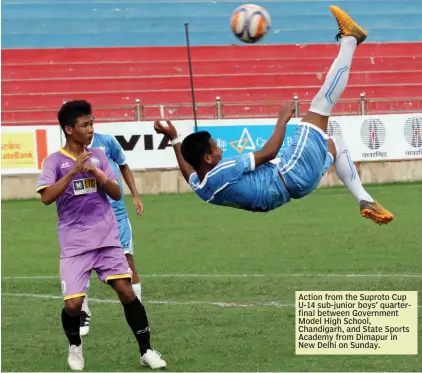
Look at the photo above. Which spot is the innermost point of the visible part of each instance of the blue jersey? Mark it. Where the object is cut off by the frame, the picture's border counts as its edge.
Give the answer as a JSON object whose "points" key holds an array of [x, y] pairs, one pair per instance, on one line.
{"points": [[116, 158], [236, 183]]}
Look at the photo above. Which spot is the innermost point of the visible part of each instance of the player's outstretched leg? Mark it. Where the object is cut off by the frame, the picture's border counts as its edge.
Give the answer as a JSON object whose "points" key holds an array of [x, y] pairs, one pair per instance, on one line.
{"points": [[306, 160], [70, 321], [137, 319], [351, 35], [347, 173], [85, 315]]}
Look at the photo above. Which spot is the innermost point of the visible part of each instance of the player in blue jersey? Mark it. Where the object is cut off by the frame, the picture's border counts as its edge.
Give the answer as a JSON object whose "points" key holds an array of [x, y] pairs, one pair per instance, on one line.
{"points": [[251, 181], [119, 166]]}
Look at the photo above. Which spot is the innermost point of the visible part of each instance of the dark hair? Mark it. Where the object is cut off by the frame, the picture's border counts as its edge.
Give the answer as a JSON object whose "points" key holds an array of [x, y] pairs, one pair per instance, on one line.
{"points": [[195, 146], [71, 111]]}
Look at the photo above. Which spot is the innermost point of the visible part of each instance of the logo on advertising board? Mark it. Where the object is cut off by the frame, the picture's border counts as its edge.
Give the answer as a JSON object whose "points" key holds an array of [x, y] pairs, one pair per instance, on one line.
{"points": [[413, 136], [333, 129], [245, 142], [221, 143], [373, 136], [145, 142]]}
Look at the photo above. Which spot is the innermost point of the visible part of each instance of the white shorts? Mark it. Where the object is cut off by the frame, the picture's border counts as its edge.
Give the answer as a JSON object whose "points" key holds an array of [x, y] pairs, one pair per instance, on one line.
{"points": [[125, 231]]}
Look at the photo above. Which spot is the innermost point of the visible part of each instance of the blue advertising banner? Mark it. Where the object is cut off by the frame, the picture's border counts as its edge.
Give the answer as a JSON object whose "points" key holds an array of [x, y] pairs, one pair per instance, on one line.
{"points": [[239, 139]]}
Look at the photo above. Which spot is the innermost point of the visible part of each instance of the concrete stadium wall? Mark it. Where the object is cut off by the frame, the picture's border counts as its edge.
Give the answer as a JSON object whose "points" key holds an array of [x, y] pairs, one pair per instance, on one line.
{"points": [[171, 181]]}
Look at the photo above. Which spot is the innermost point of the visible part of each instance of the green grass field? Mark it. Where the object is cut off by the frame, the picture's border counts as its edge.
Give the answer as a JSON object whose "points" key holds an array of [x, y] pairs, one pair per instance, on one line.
{"points": [[204, 314]]}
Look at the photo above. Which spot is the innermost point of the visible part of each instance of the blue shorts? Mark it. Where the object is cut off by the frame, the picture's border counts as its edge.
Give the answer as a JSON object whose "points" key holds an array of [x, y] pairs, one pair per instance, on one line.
{"points": [[305, 161], [125, 231]]}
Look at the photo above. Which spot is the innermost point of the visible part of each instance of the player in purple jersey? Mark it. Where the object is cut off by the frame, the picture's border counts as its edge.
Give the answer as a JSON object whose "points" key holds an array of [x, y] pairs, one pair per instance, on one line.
{"points": [[79, 179], [251, 181]]}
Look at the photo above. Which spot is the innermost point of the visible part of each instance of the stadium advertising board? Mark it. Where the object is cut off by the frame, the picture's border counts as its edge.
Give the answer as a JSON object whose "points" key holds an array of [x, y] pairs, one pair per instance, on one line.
{"points": [[369, 138], [383, 137], [24, 148]]}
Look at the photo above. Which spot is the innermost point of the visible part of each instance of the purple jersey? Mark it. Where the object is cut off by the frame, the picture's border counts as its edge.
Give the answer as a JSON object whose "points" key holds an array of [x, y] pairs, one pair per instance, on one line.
{"points": [[86, 218]]}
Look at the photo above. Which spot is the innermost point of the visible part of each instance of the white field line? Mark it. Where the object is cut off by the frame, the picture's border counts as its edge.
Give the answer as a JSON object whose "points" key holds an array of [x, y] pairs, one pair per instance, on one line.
{"points": [[170, 302], [197, 275]]}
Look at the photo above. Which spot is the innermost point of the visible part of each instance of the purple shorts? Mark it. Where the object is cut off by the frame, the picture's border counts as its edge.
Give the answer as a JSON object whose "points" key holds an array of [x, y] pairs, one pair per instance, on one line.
{"points": [[110, 263]]}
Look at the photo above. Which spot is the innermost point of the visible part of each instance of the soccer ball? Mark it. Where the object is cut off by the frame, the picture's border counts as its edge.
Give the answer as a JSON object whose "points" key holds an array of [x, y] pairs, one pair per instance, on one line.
{"points": [[250, 22]]}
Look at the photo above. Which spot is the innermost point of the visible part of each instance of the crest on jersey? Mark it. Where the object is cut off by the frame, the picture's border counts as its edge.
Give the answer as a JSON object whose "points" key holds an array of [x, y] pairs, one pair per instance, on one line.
{"points": [[95, 161]]}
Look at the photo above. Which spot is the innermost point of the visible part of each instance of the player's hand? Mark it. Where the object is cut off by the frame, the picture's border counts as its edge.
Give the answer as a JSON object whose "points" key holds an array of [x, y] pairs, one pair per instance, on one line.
{"points": [[88, 167], [139, 206], [168, 129], [286, 111], [80, 162]]}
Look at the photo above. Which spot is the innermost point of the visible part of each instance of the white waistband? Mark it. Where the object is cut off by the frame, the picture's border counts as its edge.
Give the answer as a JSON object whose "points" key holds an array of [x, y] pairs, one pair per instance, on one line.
{"points": [[323, 134]]}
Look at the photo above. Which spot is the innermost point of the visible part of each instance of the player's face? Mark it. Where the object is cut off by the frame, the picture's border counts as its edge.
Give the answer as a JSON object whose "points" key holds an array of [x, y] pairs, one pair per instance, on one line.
{"points": [[83, 131], [216, 153]]}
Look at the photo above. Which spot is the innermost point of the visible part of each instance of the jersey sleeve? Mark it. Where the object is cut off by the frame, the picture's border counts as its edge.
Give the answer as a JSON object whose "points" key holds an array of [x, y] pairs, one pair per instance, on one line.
{"points": [[194, 181], [245, 163], [105, 167], [116, 151], [48, 174]]}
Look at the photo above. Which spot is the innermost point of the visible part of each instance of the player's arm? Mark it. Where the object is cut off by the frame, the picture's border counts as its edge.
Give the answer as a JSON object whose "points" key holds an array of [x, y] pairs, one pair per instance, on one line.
{"points": [[170, 131], [50, 193], [130, 181], [275, 142], [119, 157], [106, 179], [184, 166], [110, 186]]}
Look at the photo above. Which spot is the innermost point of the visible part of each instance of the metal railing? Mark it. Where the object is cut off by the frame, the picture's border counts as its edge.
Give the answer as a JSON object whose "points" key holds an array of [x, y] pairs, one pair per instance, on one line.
{"points": [[217, 110], [221, 110]]}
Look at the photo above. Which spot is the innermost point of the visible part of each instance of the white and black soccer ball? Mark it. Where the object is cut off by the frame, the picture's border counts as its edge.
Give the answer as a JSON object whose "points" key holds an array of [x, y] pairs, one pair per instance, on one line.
{"points": [[250, 23]]}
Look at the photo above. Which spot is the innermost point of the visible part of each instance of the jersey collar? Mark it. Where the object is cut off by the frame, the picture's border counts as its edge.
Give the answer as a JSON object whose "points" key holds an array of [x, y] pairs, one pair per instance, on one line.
{"points": [[64, 152]]}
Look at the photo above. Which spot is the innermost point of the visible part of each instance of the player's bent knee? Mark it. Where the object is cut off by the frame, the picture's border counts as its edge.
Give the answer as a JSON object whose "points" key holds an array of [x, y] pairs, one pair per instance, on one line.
{"points": [[73, 306]]}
